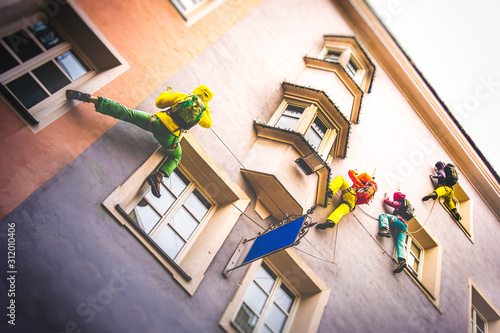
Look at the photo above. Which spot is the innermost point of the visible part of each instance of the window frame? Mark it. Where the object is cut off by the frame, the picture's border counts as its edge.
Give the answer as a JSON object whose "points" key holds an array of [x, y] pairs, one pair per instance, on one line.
{"points": [[177, 204], [46, 55], [271, 299], [231, 200], [474, 315], [313, 292], [305, 122], [409, 242], [428, 279], [480, 303], [87, 42]]}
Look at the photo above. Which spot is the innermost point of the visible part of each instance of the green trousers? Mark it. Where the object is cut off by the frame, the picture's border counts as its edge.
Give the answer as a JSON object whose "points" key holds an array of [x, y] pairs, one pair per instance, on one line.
{"points": [[141, 119]]}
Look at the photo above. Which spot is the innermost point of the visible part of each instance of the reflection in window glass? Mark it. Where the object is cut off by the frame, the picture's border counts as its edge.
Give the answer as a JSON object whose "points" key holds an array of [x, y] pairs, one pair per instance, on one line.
{"points": [[45, 34], [264, 279], [184, 223], [27, 90], [163, 203], [197, 205], [316, 133], [172, 219], [51, 77], [246, 319], [256, 298], [290, 117], [276, 318], [22, 45], [332, 56], [73, 66], [266, 304], [176, 182], [146, 216], [169, 241]]}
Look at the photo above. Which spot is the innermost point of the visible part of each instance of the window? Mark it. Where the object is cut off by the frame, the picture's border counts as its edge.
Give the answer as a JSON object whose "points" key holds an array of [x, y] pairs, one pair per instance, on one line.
{"points": [[332, 56], [312, 114], [413, 256], [290, 117], [316, 133], [279, 293], [347, 52], [267, 304], [478, 324], [174, 218], [37, 63], [193, 10], [43, 54], [484, 316], [198, 207], [423, 259]]}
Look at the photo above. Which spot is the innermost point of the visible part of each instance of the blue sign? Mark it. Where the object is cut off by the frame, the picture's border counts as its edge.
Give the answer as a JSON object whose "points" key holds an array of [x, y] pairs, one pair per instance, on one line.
{"points": [[275, 240]]}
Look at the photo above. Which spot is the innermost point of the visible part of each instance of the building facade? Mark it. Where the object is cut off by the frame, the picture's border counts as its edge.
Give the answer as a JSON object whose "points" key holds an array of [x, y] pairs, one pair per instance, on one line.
{"points": [[303, 92]]}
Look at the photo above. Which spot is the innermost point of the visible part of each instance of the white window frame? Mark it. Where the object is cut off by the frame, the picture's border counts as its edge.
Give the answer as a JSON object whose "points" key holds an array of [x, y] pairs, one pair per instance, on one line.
{"points": [[304, 123], [313, 293], [271, 296], [230, 200], [409, 252], [108, 66], [474, 315], [40, 59], [174, 208]]}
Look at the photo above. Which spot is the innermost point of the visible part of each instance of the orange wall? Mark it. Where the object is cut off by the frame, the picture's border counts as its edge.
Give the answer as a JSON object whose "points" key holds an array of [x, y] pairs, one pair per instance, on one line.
{"points": [[159, 48]]}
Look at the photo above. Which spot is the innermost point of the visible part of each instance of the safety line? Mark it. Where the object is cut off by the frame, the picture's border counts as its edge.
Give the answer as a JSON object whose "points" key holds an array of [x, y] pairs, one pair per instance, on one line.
{"points": [[228, 200], [270, 197]]}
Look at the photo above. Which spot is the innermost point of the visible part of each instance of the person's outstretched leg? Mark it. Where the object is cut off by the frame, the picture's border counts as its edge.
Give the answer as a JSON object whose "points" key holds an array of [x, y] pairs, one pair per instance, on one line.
{"points": [[384, 225]]}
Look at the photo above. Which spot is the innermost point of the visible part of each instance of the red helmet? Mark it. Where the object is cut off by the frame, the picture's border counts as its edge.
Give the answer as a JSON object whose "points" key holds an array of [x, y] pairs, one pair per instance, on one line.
{"points": [[399, 196]]}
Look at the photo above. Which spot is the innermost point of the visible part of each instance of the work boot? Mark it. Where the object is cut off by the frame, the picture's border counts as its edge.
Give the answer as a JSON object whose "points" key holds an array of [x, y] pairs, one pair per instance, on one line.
{"points": [[78, 95], [384, 233], [401, 265], [432, 196], [154, 180], [455, 214], [325, 225]]}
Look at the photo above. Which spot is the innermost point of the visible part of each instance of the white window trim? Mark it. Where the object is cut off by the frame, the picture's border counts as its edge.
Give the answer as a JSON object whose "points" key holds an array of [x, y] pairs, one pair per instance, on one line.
{"points": [[310, 113], [488, 311], [279, 280], [310, 306], [203, 249], [429, 275], [56, 105]]}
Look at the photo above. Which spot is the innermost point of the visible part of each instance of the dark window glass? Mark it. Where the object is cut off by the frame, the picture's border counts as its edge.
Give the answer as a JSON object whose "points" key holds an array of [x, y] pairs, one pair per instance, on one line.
{"points": [[51, 77], [7, 61], [27, 90], [45, 34], [22, 45]]}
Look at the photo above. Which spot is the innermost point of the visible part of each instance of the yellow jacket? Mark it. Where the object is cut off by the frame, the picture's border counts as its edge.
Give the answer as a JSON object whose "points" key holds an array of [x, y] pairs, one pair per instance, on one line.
{"points": [[169, 98]]}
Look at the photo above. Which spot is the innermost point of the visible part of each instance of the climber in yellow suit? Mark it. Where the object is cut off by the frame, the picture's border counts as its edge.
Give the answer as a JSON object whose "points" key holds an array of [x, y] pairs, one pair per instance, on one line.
{"points": [[165, 130]]}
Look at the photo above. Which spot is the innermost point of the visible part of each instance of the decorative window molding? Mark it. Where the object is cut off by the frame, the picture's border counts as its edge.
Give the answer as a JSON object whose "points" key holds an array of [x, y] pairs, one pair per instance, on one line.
{"points": [[193, 10], [344, 57], [424, 257], [463, 203], [49, 57], [311, 293], [226, 199], [316, 106], [351, 57], [484, 317]]}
